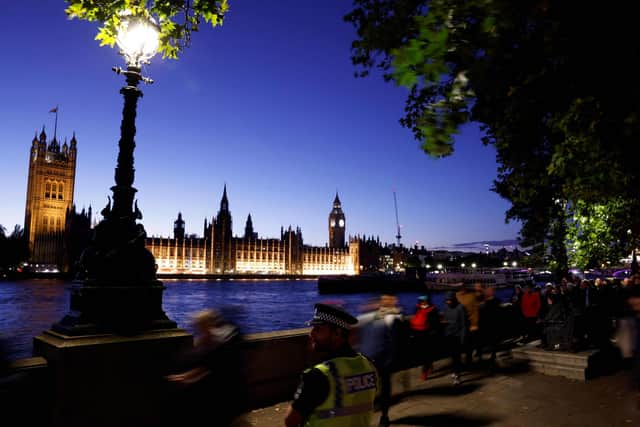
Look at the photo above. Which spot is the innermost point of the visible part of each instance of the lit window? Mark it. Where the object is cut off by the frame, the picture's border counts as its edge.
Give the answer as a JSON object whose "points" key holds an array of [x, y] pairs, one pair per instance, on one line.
{"points": [[47, 190]]}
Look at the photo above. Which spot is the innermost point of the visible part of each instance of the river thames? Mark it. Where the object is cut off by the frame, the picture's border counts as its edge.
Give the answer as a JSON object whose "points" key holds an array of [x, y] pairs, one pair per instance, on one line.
{"points": [[29, 307]]}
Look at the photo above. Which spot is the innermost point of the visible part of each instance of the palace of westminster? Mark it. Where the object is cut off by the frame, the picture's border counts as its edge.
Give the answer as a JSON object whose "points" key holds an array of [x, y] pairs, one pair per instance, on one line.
{"points": [[57, 233]]}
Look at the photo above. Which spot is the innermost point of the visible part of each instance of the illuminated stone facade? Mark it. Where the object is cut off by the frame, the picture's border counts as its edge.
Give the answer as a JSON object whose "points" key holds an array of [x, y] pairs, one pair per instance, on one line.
{"points": [[52, 171], [219, 252]]}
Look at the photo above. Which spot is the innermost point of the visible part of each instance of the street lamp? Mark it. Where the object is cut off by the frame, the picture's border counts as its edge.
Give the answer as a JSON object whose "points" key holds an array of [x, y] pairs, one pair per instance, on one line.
{"points": [[119, 291], [635, 268]]}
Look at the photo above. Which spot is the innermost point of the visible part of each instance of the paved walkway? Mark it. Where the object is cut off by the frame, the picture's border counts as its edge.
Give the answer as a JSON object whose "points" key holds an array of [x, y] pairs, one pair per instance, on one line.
{"points": [[512, 396]]}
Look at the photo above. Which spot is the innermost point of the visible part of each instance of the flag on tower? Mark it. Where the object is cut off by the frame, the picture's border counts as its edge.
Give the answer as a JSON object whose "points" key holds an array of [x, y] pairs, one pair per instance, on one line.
{"points": [[54, 109]]}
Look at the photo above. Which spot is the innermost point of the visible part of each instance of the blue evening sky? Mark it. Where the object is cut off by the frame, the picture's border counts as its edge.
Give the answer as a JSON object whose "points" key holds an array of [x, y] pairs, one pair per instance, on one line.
{"points": [[266, 104]]}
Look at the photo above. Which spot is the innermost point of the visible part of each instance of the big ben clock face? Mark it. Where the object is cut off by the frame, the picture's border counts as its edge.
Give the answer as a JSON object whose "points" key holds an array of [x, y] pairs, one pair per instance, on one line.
{"points": [[333, 223], [341, 223]]}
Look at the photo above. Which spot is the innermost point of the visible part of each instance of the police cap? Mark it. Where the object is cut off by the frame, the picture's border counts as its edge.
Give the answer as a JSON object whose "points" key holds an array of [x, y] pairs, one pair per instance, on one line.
{"points": [[333, 315]]}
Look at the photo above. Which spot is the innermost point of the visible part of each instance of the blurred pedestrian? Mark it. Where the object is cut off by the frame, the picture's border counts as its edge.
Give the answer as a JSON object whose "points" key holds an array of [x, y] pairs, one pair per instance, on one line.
{"points": [[469, 300], [211, 382], [341, 390], [379, 337], [634, 304]]}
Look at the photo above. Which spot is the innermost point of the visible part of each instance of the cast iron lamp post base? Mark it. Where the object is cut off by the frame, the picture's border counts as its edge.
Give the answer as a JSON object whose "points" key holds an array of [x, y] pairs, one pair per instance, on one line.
{"points": [[119, 291]]}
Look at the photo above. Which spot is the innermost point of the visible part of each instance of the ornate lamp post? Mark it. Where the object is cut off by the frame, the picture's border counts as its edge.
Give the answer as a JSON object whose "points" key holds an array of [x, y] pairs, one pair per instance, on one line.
{"points": [[119, 291]]}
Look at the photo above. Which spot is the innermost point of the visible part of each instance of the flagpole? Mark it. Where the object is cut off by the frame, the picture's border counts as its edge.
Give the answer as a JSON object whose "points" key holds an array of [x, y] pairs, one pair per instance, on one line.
{"points": [[55, 128]]}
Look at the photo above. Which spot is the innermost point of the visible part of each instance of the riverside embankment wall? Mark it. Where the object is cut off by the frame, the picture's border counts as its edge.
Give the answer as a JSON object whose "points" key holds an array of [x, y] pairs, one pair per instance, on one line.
{"points": [[273, 364]]}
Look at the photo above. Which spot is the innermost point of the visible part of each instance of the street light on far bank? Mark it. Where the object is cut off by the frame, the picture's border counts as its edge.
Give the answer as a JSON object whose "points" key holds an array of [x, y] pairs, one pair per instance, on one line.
{"points": [[119, 291], [635, 268]]}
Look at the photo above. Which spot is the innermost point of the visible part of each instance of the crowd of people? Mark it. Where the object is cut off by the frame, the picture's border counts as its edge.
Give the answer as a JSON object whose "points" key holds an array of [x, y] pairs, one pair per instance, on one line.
{"points": [[576, 314], [573, 315]]}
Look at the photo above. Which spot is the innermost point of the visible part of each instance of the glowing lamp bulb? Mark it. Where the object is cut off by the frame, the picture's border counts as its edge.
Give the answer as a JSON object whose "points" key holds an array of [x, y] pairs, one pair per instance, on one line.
{"points": [[138, 39]]}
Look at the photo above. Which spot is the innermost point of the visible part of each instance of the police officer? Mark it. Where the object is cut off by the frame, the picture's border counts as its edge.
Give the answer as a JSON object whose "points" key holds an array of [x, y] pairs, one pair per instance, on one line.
{"points": [[341, 390]]}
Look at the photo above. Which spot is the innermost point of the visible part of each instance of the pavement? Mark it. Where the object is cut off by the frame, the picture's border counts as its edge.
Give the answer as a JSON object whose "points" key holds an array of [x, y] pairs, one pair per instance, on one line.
{"points": [[509, 396]]}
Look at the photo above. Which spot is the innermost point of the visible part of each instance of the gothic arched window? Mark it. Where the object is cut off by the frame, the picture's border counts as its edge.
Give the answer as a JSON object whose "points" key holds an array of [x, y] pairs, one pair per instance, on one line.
{"points": [[60, 188], [47, 190]]}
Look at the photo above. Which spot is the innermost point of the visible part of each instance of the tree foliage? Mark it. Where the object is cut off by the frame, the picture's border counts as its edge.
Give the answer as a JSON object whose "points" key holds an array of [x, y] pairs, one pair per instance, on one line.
{"points": [[177, 18], [14, 248], [549, 83], [596, 234]]}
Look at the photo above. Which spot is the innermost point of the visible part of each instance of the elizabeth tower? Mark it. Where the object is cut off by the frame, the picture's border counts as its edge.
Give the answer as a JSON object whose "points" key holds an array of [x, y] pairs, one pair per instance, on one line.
{"points": [[336, 225]]}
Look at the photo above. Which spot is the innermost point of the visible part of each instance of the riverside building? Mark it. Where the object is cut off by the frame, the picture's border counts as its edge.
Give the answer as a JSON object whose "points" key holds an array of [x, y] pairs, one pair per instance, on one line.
{"points": [[219, 252]]}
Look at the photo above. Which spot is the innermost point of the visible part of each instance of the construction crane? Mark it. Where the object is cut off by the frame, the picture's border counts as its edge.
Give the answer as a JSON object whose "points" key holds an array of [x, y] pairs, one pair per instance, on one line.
{"points": [[395, 203]]}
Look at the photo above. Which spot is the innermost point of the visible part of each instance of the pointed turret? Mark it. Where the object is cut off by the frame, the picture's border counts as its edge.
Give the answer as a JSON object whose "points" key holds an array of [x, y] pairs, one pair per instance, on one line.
{"points": [[224, 203], [248, 229], [65, 147], [42, 142], [73, 147], [34, 147], [336, 201]]}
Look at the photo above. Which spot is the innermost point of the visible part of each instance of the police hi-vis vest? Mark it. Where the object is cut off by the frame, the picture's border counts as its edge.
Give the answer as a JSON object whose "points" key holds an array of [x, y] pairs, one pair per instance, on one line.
{"points": [[353, 382]]}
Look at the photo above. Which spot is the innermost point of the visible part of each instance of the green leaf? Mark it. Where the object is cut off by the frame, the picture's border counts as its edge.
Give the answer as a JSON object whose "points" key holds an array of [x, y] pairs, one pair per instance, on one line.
{"points": [[105, 37], [75, 10]]}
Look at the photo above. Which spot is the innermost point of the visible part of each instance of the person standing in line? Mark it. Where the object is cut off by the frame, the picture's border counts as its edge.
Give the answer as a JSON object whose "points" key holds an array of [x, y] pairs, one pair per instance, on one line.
{"points": [[424, 325], [517, 328], [490, 328], [454, 320], [341, 390], [531, 306]]}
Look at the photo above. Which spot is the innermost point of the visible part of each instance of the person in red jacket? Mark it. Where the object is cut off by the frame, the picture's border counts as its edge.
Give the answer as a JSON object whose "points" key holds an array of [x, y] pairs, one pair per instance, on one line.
{"points": [[530, 306], [424, 328]]}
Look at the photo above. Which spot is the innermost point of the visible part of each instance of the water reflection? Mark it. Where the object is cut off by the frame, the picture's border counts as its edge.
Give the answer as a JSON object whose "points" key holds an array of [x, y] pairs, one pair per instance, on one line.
{"points": [[29, 307]]}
